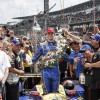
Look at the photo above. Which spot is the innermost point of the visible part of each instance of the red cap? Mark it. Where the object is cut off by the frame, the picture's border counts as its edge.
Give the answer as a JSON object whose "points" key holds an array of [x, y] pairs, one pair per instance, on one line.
{"points": [[50, 30]]}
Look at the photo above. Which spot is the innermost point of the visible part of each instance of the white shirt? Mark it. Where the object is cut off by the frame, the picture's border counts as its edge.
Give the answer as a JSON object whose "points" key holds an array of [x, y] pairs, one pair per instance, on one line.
{"points": [[4, 63]]}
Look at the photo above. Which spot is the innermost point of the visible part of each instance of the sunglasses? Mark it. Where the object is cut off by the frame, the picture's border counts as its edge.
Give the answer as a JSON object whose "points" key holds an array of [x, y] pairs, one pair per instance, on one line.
{"points": [[1, 38], [75, 43], [83, 51]]}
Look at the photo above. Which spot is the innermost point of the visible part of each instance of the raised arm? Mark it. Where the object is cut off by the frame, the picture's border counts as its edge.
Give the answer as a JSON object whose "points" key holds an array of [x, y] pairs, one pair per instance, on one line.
{"points": [[67, 33], [96, 65]]}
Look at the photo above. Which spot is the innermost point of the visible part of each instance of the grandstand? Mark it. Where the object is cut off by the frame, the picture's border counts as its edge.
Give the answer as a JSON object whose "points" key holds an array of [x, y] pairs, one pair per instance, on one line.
{"points": [[74, 16]]}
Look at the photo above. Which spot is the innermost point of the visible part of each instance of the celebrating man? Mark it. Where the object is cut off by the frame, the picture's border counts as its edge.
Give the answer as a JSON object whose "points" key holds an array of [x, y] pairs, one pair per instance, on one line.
{"points": [[50, 76]]}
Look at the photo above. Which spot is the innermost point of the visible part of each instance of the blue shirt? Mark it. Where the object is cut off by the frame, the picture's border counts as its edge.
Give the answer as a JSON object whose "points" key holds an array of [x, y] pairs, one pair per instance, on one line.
{"points": [[79, 64]]}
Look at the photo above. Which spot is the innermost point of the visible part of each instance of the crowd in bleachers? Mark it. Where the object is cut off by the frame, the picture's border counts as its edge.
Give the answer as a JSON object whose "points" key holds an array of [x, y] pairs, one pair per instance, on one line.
{"points": [[74, 17], [75, 14]]}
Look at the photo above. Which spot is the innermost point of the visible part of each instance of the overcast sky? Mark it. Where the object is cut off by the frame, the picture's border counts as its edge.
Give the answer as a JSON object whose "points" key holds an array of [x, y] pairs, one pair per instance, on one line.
{"points": [[18, 8]]}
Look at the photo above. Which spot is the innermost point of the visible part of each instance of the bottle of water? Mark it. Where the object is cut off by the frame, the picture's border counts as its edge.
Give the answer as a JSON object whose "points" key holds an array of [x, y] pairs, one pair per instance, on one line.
{"points": [[65, 73], [82, 78]]}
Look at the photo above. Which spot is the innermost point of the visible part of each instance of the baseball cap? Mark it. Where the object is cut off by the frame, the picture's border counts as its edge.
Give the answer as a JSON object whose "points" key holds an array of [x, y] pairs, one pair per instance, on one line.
{"points": [[84, 48], [96, 37], [50, 30], [16, 42]]}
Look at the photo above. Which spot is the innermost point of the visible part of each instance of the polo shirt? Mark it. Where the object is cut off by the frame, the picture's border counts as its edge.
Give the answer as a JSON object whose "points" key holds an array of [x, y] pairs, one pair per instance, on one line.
{"points": [[79, 66]]}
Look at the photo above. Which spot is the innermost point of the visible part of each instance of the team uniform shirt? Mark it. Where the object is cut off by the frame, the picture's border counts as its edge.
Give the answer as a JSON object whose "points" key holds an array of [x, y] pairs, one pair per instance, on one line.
{"points": [[4, 63], [79, 65], [15, 63]]}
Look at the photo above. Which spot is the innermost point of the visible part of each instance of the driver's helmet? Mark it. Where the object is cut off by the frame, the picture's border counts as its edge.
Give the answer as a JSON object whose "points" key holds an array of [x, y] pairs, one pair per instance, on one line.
{"points": [[68, 84]]}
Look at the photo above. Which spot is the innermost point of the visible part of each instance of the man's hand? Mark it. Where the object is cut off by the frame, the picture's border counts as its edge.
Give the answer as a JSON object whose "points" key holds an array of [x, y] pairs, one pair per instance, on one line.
{"points": [[21, 72], [76, 60], [65, 31], [46, 59], [87, 65], [83, 61], [71, 74], [34, 93]]}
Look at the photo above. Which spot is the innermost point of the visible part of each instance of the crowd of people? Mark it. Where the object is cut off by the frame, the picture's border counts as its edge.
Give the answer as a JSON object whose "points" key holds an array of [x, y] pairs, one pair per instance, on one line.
{"points": [[87, 47], [75, 14], [80, 16], [17, 58]]}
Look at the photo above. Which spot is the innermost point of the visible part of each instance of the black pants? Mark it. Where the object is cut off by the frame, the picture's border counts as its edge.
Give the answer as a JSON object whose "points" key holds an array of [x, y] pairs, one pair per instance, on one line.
{"points": [[95, 95], [28, 84], [12, 91], [91, 94], [62, 75], [27, 70]]}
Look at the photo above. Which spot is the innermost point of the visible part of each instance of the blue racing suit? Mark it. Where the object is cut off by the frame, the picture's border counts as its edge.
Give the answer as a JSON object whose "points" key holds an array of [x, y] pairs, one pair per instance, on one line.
{"points": [[50, 75]]}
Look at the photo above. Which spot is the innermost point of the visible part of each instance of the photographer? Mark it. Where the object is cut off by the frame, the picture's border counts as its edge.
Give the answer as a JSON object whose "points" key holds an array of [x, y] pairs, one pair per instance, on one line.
{"points": [[93, 63]]}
